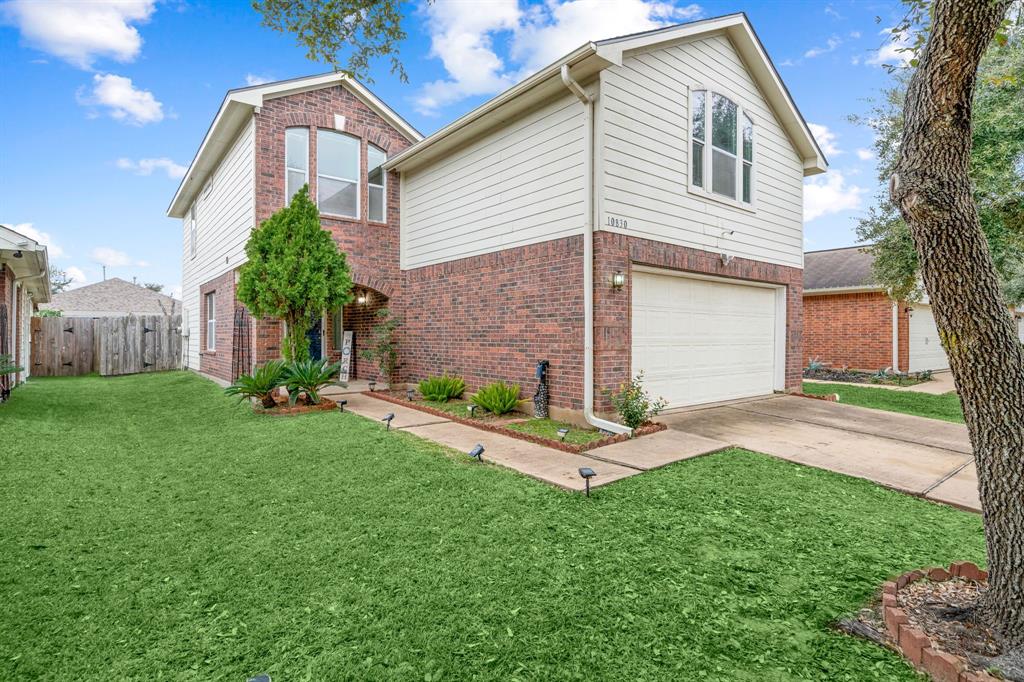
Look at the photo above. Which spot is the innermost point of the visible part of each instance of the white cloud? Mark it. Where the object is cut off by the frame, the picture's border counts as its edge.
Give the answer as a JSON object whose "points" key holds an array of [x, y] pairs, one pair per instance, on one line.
{"points": [[175, 291], [80, 32], [830, 45], [889, 53], [829, 193], [123, 100], [78, 277], [112, 258], [44, 238], [463, 36], [173, 170], [855, 34], [253, 79], [865, 154], [826, 139], [787, 62]]}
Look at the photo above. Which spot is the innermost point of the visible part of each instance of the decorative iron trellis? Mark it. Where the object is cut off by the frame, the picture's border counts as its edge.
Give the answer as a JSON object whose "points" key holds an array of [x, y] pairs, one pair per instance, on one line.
{"points": [[241, 347], [5, 349]]}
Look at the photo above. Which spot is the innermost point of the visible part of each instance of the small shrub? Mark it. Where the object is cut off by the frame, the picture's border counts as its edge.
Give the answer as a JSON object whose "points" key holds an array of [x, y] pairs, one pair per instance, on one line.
{"points": [[308, 377], [925, 375], [383, 350], [261, 384], [498, 398], [7, 365], [633, 404], [881, 375], [815, 365], [442, 388]]}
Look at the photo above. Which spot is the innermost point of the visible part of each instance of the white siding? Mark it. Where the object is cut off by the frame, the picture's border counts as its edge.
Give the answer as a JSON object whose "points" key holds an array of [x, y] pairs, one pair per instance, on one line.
{"points": [[520, 184], [224, 218], [643, 113]]}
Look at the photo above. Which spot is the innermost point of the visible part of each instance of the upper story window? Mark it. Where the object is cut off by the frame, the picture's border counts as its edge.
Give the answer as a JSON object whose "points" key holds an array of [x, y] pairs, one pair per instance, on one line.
{"points": [[192, 230], [337, 173], [296, 160], [722, 163], [376, 179]]}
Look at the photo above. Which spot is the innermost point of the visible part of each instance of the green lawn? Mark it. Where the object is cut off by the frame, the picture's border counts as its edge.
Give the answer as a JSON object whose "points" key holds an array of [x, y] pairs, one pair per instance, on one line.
{"points": [[153, 529], [548, 428], [945, 407]]}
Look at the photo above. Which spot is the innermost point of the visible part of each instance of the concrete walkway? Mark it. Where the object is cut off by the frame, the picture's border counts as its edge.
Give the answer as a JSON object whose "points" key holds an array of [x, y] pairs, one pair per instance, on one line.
{"points": [[941, 383], [925, 457], [611, 463]]}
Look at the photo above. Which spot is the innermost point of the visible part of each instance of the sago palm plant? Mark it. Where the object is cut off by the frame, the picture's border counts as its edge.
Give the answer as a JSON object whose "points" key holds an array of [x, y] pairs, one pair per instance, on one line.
{"points": [[308, 377], [261, 384]]}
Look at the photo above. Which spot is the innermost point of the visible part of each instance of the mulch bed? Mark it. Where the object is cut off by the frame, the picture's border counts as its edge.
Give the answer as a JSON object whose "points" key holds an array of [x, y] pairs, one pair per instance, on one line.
{"points": [[493, 427], [284, 409], [933, 619], [851, 376]]}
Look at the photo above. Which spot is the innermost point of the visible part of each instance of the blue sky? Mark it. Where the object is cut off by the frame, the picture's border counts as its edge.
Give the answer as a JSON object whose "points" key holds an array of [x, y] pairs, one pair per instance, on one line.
{"points": [[113, 98]]}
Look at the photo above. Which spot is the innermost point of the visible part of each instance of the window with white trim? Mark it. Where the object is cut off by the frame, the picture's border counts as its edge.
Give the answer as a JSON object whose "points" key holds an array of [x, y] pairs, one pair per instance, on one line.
{"points": [[296, 161], [337, 174], [722, 162], [192, 231], [376, 180], [211, 322]]}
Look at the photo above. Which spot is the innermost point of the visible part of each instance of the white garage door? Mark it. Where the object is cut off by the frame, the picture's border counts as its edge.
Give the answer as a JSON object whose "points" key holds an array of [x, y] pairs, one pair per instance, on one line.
{"points": [[925, 348], [700, 341]]}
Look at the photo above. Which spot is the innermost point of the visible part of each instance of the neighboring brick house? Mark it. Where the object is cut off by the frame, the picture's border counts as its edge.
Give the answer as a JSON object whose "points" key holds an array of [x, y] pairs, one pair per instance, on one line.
{"points": [[24, 283], [112, 297], [850, 321], [635, 206]]}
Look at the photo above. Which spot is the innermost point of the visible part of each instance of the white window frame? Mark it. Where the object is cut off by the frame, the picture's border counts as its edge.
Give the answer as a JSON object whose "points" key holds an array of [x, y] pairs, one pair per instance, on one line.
{"points": [[287, 168], [211, 320], [357, 181], [383, 186], [742, 113], [193, 231]]}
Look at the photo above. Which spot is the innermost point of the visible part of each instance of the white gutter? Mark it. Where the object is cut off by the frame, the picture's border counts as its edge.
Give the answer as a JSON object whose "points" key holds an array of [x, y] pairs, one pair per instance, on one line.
{"points": [[588, 259]]}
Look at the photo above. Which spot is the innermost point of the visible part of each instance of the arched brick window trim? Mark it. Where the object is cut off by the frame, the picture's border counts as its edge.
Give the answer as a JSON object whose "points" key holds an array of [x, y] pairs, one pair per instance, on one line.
{"points": [[314, 120]]}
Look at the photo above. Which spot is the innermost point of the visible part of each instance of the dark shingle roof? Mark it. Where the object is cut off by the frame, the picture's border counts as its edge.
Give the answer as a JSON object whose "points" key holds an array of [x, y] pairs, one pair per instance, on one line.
{"points": [[838, 268], [113, 297]]}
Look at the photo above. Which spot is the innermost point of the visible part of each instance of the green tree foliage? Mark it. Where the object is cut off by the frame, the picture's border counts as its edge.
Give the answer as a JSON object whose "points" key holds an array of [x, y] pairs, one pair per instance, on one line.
{"points": [[59, 280], [364, 29], [383, 349], [294, 272], [997, 172]]}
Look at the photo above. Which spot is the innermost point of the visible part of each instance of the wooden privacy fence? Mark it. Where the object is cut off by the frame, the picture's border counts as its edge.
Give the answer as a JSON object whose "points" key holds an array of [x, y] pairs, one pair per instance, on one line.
{"points": [[70, 346]]}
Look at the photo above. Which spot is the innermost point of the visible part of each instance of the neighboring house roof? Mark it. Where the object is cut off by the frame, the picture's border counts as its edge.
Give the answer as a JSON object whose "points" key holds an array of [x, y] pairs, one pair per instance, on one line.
{"points": [[593, 57], [238, 106], [112, 297], [29, 262], [847, 268]]}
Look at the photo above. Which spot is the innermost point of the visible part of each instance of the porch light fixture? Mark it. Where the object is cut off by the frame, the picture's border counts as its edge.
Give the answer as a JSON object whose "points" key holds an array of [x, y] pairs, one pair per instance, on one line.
{"points": [[587, 473], [618, 280], [387, 419], [361, 298], [341, 405], [373, 384], [18, 254], [472, 410], [563, 432], [477, 452]]}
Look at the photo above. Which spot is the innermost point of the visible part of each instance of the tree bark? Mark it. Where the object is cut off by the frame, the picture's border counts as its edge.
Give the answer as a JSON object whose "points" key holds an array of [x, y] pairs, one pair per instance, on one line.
{"points": [[932, 189]]}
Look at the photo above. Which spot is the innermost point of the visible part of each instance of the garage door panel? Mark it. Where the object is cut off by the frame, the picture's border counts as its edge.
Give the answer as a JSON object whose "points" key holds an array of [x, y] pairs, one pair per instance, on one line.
{"points": [[926, 351], [700, 341]]}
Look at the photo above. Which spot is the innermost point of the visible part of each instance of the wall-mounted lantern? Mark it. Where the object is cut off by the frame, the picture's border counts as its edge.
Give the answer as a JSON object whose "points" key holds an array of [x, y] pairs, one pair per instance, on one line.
{"points": [[618, 280]]}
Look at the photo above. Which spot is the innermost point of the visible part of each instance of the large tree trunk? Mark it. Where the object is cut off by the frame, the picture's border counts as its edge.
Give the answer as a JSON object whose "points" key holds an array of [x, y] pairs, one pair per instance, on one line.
{"points": [[933, 192]]}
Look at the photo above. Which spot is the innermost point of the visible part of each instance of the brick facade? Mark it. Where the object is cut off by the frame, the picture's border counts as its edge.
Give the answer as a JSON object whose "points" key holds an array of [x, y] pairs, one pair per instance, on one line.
{"points": [[854, 330], [217, 362], [7, 300]]}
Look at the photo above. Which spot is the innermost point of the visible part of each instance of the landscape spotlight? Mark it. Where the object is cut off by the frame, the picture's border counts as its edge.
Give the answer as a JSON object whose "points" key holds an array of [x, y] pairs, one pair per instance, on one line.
{"points": [[387, 419], [472, 409], [373, 384], [477, 452], [264, 677], [563, 432], [587, 473], [409, 393], [341, 405]]}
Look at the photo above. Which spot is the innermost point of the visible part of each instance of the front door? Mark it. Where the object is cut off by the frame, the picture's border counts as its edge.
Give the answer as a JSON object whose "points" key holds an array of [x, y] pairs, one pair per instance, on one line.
{"points": [[316, 340]]}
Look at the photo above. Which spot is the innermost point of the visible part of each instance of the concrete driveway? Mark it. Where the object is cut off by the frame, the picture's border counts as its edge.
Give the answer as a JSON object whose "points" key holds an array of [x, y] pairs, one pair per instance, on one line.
{"points": [[924, 457]]}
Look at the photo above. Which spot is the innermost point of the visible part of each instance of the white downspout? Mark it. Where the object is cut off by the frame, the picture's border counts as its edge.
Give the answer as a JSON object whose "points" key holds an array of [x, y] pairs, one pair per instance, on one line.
{"points": [[895, 336], [588, 259]]}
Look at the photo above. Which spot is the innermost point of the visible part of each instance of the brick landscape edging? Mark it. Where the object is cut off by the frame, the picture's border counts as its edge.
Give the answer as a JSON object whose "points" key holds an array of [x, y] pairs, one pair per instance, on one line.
{"points": [[828, 397], [574, 448], [912, 642]]}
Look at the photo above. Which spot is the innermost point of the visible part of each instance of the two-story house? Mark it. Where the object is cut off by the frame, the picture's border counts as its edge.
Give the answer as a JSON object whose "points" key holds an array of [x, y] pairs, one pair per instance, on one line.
{"points": [[634, 206]]}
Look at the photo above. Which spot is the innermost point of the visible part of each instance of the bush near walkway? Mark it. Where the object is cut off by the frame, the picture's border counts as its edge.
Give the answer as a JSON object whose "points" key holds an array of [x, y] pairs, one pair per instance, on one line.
{"points": [[190, 539]]}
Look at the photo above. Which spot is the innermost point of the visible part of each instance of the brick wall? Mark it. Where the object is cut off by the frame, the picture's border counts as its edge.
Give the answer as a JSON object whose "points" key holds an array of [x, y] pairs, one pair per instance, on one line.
{"points": [[853, 330], [217, 362], [7, 300]]}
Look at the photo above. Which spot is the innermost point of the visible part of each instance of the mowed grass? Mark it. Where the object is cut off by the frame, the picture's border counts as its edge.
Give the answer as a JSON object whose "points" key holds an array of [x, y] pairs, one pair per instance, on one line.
{"points": [[945, 406], [153, 529], [548, 428]]}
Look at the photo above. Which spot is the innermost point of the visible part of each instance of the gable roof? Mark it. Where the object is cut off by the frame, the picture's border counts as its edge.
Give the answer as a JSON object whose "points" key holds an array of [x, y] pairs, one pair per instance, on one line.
{"points": [[113, 296], [846, 268], [237, 107], [31, 265], [595, 56]]}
